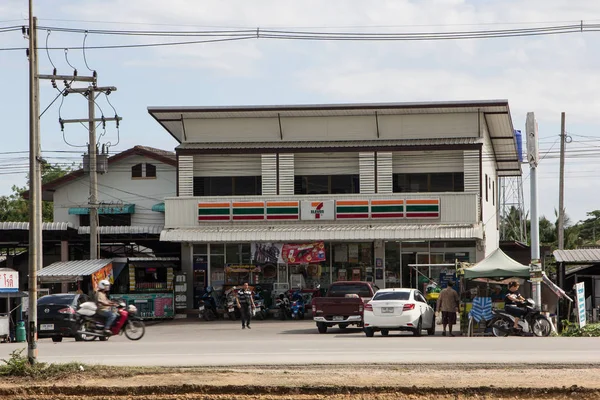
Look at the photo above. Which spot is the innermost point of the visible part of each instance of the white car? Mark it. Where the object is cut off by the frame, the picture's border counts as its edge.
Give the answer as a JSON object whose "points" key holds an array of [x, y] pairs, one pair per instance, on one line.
{"points": [[398, 310]]}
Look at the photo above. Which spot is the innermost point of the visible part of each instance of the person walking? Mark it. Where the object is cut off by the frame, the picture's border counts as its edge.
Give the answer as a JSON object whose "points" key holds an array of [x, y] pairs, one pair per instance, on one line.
{"points": [[448, 303], [245, 303]]}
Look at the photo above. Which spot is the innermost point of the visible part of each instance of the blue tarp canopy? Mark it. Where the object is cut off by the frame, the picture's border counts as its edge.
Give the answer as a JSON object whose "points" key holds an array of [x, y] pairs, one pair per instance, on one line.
{"points": [[124, 209]]}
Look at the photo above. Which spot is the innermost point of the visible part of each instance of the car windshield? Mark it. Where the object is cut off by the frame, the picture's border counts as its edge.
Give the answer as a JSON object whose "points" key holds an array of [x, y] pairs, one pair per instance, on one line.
{"points": [[61, 300], [391, 296], [349, 288]]}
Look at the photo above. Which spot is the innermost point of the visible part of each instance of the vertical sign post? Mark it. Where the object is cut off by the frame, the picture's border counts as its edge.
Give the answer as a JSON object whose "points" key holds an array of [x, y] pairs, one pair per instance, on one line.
{"points": [[580, 299]]}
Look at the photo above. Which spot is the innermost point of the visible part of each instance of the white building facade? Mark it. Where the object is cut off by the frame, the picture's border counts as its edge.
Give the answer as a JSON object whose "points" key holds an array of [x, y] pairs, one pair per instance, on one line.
{"points": [[307, 195]]}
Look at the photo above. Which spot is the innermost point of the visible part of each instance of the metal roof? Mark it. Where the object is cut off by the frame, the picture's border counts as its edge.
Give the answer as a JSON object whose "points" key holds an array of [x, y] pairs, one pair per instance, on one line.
{"points": [[123, 230], [24, 226], [578, 256], [317, 144], [278, 233], [140, 259], [73, 268]]}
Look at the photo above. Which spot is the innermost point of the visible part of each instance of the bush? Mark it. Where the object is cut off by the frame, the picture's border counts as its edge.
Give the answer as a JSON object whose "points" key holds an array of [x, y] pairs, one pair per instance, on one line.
{"points": [[571, 329], [18, 366]]}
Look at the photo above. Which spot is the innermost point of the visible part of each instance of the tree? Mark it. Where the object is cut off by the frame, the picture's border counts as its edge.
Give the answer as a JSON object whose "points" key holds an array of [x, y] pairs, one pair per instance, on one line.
{"points": [[15, 208]]}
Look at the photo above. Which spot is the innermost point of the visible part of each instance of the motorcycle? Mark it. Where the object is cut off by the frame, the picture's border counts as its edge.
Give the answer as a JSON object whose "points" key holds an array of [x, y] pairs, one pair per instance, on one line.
{"points": [[533, 322], [208, 306], [283, 306], [229, 301], [91, 325], [298, 307]]}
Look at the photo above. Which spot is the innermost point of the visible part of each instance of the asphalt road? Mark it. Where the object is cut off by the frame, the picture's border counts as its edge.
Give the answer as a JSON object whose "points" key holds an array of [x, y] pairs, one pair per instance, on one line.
{"points": [[185, 343]]}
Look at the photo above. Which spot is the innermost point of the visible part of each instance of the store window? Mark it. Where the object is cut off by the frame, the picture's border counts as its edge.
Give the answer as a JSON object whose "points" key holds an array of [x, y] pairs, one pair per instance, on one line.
{"points": [[326, 184], [227, 186], [353, 262], [432, 182]]}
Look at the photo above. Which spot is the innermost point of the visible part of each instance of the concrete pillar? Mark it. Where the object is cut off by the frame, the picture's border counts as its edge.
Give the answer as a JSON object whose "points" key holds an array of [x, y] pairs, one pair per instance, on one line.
{"points": [[379, 262], [64, 250], [187, 267]]}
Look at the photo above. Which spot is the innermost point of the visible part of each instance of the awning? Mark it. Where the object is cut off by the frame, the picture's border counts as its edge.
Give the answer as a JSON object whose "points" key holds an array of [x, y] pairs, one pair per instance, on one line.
{"points": [[71, 270], [160, 207], [124, 209], [123, 230], [286, 233]]}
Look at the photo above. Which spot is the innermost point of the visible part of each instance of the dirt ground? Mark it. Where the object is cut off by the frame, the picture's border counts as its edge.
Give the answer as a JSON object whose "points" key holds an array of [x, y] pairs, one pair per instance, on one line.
{"points": [[320, 382]]}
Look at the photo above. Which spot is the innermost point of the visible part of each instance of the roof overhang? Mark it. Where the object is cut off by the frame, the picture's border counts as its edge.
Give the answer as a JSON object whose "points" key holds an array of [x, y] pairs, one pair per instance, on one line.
{"points": [[71, 270], [504, 142], [578, 256], [287, 233]]}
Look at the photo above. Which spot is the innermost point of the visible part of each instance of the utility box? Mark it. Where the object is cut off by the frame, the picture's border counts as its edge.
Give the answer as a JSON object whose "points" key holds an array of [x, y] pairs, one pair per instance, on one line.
{"points": [[101, 163]]}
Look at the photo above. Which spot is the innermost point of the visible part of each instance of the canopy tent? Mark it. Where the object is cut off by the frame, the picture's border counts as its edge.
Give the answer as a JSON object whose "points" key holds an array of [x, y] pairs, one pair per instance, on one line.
{"points": [[497, 265]]}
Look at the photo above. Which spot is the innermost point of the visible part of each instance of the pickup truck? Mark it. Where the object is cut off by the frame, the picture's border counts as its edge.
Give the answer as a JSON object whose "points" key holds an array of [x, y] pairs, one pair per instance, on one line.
{"points": [[343, 305]]}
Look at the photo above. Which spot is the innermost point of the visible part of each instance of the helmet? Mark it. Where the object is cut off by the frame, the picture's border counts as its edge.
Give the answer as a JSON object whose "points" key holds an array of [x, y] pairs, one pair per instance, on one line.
{"points": [[104, 284]]}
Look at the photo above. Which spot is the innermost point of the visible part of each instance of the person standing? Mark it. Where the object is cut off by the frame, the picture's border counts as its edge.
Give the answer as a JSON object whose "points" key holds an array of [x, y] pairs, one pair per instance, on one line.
{"points": [[245, 303], [448, 303]]}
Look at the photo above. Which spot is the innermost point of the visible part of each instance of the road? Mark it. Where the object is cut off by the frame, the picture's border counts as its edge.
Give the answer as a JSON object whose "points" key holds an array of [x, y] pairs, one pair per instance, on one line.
{"points": [[224, 343]]}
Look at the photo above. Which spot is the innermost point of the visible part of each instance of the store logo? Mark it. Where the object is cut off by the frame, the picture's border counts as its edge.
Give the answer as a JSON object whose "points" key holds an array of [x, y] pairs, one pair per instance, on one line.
{"points": [[317, 209]]}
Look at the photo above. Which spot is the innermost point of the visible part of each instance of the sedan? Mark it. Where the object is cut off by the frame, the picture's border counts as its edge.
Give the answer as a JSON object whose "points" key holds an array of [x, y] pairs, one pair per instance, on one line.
{"points": [[398, 310], [56, 316]]}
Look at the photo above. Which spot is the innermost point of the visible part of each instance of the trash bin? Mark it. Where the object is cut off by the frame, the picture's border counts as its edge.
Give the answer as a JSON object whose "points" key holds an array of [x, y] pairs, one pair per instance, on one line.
{"points": [[21, 333]]}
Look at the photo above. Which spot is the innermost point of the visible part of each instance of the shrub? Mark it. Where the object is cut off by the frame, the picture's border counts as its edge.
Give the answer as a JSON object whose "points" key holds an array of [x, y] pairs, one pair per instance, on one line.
{"points": [[571, 329], [18, 366]]}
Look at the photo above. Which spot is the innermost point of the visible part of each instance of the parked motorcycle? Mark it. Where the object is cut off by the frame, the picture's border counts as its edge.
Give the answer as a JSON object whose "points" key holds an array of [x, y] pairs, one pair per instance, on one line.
{"points": [[532, 322], [208, 305], [298, 307], [260, 311], [283, 306], [229, 302], [91, 325]]}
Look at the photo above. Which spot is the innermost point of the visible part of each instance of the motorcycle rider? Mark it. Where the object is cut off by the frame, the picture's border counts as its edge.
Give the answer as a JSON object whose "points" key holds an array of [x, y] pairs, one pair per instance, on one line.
{"points": [[105, 305], [512, 301]]}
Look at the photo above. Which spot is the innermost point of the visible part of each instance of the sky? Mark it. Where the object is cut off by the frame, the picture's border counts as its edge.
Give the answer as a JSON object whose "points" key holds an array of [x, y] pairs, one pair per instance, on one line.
{"points": [[546, 75]]}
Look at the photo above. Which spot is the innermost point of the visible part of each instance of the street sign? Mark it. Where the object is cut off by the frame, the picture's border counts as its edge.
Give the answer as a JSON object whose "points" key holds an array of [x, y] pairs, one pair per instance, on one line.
{"points": [[9, 280]]}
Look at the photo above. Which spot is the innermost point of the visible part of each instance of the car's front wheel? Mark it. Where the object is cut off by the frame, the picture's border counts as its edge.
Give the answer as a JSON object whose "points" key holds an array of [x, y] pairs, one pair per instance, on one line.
{"points": [[322, 327]]}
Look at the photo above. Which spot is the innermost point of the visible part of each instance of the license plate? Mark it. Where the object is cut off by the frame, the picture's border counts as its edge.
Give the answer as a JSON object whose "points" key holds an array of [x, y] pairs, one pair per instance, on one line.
{"points": [[338, 318], [201, 308], [231, 309], [387, 310], [47, 327]]}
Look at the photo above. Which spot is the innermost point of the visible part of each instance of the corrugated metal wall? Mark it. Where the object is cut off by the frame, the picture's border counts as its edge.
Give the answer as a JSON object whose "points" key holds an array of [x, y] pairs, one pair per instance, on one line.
{"points": [[326, 164], [186, 175], [286, 173], [384, 172], [227, 165], [411, 162], [269, 174], [367, 172], [471, 168]]}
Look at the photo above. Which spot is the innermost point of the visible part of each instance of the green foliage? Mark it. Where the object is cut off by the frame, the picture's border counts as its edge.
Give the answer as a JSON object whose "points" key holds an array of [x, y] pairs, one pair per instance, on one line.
{"points": [[18, 366], [571, 329], [15, 208]]}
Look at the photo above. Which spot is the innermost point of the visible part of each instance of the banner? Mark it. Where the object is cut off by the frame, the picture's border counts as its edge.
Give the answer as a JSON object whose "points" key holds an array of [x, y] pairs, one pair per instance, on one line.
{"points": [[580, 295], [9, 280], [303, 253], [266, 253], [104, 273]]}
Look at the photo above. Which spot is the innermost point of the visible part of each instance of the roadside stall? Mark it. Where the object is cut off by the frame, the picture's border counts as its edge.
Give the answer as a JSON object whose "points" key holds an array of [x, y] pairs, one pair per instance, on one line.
{"points": [[9, 290], [76, 276], [148, 283]]}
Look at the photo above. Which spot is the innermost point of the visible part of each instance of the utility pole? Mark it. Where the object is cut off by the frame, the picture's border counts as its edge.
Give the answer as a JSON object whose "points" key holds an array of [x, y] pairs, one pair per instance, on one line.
{"points": [[561, 185], [90, 93], [35, 189], [535, 268]]}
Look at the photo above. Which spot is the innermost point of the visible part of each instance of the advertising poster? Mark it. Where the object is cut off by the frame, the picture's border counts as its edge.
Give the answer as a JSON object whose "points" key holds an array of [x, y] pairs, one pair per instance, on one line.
{"points": [[305, 253], [151, 305], [266, 253], [180, 291], [342, 275], [353, 253], [580, 290], [104, 273]]}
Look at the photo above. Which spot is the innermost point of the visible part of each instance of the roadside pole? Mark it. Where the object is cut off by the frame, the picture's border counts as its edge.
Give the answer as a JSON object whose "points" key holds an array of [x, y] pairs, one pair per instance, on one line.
{"points": [[535, 268]]}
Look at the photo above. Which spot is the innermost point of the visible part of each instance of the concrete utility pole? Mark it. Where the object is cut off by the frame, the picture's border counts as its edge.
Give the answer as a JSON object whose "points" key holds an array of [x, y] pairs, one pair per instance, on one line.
{"points": [[533, 158], [35, 189], [561, 185], [90, 93]]}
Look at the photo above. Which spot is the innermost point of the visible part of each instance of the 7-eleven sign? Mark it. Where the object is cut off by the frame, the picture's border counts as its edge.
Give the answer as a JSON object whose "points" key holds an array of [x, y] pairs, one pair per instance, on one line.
{"points": [[318, 210]]}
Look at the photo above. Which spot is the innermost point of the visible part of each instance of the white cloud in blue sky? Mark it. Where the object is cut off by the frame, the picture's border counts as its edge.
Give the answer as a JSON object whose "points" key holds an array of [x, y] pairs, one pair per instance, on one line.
{"points": [[545, 74]]}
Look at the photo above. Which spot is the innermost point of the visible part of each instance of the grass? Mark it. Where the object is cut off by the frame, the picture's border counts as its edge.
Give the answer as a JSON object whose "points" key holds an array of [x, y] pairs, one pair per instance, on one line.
{"points": [[573, 330]]}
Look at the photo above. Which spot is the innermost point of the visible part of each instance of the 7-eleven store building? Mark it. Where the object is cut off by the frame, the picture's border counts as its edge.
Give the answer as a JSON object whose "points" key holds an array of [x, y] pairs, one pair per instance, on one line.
{"points": [[288, 195]]}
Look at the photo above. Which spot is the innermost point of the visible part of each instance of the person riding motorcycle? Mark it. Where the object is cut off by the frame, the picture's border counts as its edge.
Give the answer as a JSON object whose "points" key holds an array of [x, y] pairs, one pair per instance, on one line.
{"points": [[512, 302], [105, 305]]}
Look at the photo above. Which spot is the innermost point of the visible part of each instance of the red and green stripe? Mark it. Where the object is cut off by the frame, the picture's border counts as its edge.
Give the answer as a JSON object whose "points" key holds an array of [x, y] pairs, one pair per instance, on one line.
{"points": [[352, 209], [248, 210], [214, 211], [387, 208], [423, 208], [283, 210]]}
